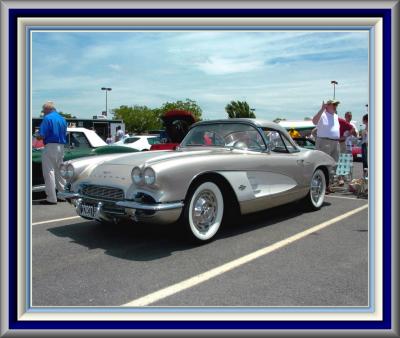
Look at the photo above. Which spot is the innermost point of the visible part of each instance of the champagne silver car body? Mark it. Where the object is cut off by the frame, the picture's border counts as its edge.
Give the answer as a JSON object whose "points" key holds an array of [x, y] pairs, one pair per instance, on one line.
{"points": [[156, 186]]}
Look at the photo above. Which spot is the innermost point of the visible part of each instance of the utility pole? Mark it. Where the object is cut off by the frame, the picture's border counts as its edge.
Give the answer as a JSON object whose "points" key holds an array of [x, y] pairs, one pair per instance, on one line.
{"points": [[334, 85], [107, 90]]}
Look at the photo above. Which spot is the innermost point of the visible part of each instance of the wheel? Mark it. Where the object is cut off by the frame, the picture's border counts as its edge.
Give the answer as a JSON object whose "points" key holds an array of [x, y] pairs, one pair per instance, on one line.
{"points": [[204, 211], [315, 198]]}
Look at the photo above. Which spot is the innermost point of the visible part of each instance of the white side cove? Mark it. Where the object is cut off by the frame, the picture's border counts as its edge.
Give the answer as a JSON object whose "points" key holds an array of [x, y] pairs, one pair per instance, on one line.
{"points": [[254, 184], [267, 183]]}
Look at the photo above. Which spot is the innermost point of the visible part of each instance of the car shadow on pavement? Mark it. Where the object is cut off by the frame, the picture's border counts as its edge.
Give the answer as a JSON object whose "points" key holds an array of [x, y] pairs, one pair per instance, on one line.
{"points": [[138, 242], [146, 242], [264, 218]]}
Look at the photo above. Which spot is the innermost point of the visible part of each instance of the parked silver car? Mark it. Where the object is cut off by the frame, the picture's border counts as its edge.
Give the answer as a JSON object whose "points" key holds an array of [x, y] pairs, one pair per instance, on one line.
{"points": [[221, 166]]}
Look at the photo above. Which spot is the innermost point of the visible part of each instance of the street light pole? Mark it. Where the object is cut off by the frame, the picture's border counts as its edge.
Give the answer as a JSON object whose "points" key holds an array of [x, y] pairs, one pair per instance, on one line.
{"points": [[334, 84], [107, 90]]}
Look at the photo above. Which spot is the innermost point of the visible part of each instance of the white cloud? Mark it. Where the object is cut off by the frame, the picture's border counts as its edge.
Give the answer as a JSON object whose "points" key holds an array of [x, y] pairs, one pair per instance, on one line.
{"points": [[221, 66], [115, 67], [100, 51]]}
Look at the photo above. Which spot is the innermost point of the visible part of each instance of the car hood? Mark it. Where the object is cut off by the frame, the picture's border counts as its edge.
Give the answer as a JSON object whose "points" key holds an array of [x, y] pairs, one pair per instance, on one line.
{"points": [[152, 157], [117, 171]]}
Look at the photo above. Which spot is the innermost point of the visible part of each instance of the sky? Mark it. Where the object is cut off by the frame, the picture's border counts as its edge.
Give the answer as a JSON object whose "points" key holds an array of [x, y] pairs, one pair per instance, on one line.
{"points": [[284, 74]]}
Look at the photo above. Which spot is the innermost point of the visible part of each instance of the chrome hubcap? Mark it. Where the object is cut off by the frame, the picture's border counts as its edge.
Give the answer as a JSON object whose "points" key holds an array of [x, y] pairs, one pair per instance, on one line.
{"points": [[317, 189], [204, 211]]}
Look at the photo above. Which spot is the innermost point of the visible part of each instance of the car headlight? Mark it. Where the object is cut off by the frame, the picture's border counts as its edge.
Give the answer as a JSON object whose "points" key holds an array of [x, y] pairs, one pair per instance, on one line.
{"points": [[149, 176], [136, 175], [63, 170], [67, 171]]}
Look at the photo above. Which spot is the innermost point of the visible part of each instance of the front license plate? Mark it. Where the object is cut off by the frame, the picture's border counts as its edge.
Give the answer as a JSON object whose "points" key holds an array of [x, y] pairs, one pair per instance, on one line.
{"points": [[87, 210], [359, 155]]}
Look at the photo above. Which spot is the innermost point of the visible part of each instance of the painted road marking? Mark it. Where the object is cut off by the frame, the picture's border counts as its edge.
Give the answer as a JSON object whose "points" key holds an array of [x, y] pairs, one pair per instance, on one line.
{"points": [[348, 198], [205, 276], [56, 220]]}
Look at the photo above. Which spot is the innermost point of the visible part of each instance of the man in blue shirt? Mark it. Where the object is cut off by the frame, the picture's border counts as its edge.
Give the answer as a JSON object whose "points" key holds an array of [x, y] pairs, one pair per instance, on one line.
{"points": [[53, 130]]}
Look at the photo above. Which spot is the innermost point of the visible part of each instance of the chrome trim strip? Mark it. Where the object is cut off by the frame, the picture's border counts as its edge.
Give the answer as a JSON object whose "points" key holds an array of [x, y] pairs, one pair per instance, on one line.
{"points": [[65, 195], [38, 188], [128, 204], [150, 207]]}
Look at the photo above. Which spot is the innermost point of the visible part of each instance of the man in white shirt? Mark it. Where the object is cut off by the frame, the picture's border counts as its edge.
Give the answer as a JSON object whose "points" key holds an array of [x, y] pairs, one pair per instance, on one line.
{"points": [[328, 129]]}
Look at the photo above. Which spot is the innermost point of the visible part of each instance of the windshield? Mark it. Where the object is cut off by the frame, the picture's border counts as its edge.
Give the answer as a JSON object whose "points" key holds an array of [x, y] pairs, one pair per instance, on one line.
{"points": [[236, 135]]}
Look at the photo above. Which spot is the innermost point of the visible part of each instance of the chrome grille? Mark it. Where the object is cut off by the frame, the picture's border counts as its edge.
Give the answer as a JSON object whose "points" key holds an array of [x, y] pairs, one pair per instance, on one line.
{"points": [[103, 193]]}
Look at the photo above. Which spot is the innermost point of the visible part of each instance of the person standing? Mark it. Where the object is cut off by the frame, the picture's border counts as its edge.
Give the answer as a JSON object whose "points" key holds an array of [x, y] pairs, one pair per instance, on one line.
{"points": [[328, 129], [53, 130], [364, 143], [346, 131], [119, 134], [109, 140], [347, 137], [37, 144]]}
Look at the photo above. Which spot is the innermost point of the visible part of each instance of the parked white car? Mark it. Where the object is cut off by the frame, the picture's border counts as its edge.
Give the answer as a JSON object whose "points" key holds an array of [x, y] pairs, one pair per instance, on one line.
{"points": [[79, 137], [139, 142], [81, 142]]}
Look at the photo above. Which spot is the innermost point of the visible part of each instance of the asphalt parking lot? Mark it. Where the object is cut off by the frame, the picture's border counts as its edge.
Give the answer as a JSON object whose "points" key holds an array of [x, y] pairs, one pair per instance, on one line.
{"points": [[280, 257]]}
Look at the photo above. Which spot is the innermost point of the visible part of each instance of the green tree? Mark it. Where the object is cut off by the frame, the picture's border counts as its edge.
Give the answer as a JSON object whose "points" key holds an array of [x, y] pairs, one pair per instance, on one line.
{"points": [[67, 115], [138, 119], [237, 109], [188, 105]]}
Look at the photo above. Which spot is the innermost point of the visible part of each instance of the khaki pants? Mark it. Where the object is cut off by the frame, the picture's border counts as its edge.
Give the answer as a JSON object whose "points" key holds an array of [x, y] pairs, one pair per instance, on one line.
{"points": [[329, 147], [52, 158]]}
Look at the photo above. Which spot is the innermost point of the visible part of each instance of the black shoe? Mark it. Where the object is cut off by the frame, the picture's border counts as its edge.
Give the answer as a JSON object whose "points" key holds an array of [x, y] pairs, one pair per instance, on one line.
{"points": [[60, 200], [45, 202]]}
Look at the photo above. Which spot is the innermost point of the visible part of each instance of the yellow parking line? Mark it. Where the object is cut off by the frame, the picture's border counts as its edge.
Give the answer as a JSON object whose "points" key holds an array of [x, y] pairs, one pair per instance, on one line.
{"points": [[190, 282], [56, 220]]}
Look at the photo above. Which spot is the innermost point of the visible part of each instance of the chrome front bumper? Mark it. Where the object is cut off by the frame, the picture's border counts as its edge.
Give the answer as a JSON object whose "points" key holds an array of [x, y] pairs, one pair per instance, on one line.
{"points": [[38, 188], [135, 211]]}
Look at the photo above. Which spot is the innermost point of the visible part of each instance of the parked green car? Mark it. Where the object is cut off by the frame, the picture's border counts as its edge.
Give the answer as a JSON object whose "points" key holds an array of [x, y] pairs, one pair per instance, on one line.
{"points": [[82, 142]]}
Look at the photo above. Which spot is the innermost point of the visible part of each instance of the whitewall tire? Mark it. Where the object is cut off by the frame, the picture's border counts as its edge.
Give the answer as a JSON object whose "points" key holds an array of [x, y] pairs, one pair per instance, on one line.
{"points": [[205, 211], [316, 196]]}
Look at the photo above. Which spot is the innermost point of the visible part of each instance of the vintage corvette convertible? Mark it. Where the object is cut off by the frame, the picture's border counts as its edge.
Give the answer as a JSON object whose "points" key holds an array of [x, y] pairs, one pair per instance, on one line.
{"points": [[221, 167]]}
